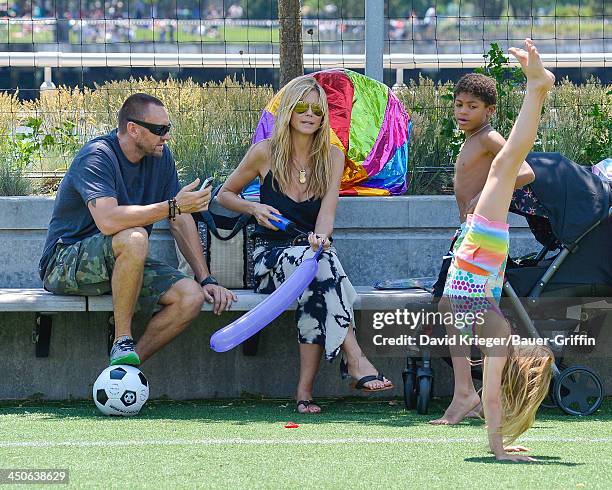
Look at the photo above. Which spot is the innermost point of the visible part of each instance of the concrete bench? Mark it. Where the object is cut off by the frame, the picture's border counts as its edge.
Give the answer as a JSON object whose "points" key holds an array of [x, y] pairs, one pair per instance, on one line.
{"points": [[39, 301], [45, 304], [368, 299]]}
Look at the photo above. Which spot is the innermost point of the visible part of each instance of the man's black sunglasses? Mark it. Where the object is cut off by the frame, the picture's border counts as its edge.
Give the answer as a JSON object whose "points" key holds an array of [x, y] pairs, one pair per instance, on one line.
{"points": [[156, 129]]}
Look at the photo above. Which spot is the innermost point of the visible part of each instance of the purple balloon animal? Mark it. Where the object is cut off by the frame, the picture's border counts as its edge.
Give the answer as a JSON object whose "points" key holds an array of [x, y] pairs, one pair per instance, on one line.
{"points": [[252, 322]]}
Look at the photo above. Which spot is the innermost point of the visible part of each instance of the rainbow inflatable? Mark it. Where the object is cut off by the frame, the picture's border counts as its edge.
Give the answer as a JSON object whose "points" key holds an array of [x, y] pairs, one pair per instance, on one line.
{"points": [[368, 123]]}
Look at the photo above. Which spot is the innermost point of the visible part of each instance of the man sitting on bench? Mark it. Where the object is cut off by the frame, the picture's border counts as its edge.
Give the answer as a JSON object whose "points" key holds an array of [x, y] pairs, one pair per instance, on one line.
{"points": [[98, 241]]}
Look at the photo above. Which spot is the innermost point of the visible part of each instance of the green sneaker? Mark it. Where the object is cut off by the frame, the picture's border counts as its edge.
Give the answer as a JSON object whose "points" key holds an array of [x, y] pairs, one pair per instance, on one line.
{"points": [[123, 352]]}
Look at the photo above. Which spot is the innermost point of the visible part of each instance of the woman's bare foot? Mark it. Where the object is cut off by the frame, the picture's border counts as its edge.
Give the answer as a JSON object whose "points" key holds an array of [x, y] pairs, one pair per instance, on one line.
{"points": [[305, 403], [360, 367], [538, 77], [308, 406], [460, 408]]}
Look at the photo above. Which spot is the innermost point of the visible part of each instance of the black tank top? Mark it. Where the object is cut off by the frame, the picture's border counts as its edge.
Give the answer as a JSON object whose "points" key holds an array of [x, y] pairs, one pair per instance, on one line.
{"points": [[304, 214]]}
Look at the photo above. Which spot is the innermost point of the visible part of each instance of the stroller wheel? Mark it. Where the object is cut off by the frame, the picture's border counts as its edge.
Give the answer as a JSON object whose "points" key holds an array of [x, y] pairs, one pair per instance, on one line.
{"points": [[424, 395], [578, 391], [410, 393]]}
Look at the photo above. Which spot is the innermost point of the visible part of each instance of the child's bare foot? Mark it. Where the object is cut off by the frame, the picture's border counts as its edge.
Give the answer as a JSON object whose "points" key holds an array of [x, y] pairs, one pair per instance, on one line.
{"points": [[460, 408], [538, 77]]}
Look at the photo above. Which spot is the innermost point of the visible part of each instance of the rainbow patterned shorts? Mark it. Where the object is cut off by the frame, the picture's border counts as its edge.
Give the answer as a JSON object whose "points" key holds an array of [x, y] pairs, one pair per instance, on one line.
{"points": [[475, 277]]}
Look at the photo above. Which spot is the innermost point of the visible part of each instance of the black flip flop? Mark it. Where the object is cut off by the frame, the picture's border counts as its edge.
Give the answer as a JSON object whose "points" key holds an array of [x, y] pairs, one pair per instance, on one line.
{"points": [[359, 385]]}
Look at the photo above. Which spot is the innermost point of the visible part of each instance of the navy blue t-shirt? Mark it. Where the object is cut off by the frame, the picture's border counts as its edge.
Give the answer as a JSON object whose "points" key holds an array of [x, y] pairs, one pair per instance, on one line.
{"points": [[101, 169]]}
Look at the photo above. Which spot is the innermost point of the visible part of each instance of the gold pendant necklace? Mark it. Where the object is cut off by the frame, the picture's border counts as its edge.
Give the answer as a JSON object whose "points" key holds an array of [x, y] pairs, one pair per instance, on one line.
{"points": [[301, 171]]}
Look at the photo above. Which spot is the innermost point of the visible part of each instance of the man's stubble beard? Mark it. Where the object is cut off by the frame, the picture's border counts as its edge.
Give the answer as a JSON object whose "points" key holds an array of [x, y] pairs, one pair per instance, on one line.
{"points": [[148, 152]]}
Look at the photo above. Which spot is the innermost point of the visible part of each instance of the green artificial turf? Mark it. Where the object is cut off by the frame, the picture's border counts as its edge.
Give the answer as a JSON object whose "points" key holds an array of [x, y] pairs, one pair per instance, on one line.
{"points": [[243, 444]]}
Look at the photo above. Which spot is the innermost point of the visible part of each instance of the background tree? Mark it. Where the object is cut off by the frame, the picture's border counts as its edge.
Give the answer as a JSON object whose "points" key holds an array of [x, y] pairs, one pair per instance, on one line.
{"points": [[290, 40]]}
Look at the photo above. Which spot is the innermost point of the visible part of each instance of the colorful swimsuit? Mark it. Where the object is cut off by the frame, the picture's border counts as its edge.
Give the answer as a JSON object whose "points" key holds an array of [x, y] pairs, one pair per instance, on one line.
{"points": [[475, 276]]}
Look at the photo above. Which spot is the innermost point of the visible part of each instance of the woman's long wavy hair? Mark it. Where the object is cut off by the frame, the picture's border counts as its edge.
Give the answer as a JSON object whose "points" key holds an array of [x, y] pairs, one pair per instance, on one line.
{"points": [[525, 383], [281, 145]]}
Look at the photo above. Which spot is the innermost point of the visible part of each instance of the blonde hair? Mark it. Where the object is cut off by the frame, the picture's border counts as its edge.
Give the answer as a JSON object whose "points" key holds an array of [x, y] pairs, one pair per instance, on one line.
{"points": [[281, 144], [525, 382]]}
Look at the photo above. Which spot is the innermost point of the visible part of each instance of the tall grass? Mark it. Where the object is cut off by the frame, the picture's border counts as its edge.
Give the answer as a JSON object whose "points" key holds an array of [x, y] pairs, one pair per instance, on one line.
{"points": [[213, 124], [12, 180], [577, 122]]}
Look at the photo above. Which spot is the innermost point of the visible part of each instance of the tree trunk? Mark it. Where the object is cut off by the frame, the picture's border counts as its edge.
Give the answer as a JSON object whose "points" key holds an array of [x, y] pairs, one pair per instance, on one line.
{"points": [[290, 37]]}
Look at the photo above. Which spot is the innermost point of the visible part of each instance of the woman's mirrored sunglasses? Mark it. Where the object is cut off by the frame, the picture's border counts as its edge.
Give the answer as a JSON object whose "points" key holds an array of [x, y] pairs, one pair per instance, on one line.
{"points": [[156, 129], [302, 107]]}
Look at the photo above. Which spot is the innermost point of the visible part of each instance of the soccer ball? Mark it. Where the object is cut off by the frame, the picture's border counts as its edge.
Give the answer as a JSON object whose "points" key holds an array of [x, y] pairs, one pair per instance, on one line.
{"points": [[120, 390]]}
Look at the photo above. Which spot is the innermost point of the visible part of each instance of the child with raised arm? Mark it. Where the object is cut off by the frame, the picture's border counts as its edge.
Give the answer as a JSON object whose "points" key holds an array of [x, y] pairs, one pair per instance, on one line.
{"points": [[515, 377], [475, 96]]}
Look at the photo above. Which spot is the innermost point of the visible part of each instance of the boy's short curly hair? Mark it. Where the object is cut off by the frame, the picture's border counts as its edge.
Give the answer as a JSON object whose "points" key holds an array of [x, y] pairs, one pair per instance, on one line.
{"points": [[478, 85]]}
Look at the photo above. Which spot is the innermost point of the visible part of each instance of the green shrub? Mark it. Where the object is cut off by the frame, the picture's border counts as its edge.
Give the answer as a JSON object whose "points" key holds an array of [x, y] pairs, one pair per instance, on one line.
{"points": [[577, 122], [12, 180]]}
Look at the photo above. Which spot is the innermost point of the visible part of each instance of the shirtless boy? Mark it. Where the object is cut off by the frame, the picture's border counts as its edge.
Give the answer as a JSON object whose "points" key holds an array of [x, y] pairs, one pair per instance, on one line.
{"points": [[475, 97]]}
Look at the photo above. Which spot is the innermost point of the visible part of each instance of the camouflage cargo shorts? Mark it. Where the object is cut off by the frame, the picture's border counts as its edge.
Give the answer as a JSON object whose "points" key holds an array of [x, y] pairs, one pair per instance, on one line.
{"points": [[86, 267]]}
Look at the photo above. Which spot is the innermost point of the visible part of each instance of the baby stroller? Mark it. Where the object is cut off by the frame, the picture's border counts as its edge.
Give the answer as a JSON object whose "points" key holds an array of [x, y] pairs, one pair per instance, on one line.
{"points": [[569, 211]]}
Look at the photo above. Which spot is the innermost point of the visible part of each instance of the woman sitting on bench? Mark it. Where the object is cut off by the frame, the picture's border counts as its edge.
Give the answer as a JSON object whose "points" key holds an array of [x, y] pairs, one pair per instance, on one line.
{"points": [[300, 172]]}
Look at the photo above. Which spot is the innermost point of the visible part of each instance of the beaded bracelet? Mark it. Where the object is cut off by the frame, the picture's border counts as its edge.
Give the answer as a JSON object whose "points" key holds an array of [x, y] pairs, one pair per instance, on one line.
{"points": [[173, 208]]}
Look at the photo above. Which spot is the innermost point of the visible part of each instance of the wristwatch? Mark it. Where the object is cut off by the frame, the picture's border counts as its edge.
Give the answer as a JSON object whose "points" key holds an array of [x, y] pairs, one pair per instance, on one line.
{"points": [[210, 279]]}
